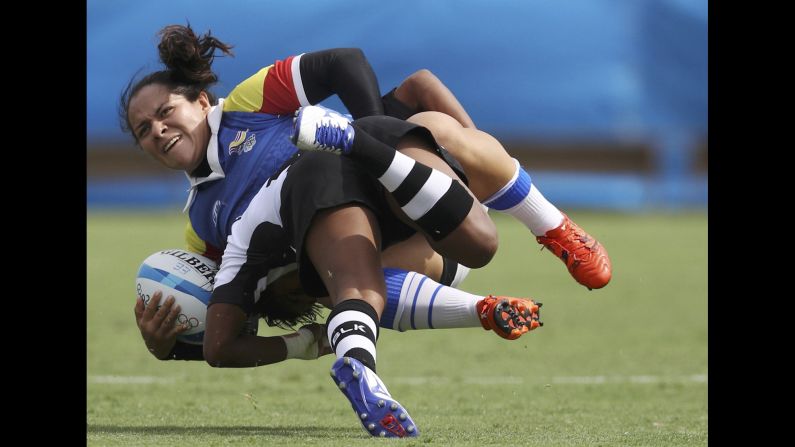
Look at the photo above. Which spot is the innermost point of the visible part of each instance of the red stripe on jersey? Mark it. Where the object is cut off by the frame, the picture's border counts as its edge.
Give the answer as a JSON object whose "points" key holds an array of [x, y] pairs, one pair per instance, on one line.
{"points": [[278, 90]]}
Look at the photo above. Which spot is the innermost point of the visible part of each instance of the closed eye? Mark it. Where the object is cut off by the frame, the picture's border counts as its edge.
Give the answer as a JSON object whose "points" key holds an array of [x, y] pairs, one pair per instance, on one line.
{"points": [[143, 129]]}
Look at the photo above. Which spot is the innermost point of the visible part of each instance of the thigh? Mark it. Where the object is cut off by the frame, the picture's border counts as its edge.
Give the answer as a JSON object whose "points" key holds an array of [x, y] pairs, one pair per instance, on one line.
{"points": [[414, 254], [319, 182], [343, 245]]}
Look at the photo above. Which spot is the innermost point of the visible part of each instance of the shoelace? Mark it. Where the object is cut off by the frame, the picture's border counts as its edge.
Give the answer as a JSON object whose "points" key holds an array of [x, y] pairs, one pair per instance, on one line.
{"points": [[579, 238], [330, 136]]}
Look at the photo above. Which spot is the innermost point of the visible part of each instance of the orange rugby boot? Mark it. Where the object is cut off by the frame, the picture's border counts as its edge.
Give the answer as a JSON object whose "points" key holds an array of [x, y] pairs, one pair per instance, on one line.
{"points": [[509, 317], [585, 258]]}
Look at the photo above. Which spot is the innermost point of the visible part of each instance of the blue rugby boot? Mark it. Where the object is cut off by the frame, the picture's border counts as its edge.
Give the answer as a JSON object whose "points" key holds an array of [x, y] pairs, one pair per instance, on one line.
{"points": [[380, 414], [317, 128]]}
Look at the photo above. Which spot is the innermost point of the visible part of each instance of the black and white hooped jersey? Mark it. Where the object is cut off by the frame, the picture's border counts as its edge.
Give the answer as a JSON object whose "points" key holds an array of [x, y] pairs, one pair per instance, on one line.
{"points": [[249, 143]]}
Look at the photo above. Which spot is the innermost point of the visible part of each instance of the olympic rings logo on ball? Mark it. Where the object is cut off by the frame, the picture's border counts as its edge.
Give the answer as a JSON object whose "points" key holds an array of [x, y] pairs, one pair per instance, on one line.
{"points": [[142, 295], [192, 321]]}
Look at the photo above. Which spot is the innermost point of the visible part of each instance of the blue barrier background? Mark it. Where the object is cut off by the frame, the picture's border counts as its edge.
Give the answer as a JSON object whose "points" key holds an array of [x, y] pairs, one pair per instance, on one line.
{"points": [[580, 70]]}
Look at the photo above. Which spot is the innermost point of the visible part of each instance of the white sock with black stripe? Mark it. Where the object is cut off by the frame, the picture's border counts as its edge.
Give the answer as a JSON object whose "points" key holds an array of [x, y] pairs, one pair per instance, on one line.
{"points": [[415, 301], [431, 198], [352, 331]]}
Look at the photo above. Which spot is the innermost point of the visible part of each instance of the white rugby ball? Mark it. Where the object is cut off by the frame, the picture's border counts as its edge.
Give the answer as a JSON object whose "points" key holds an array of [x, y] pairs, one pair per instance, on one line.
{"points": [[186, 276]]}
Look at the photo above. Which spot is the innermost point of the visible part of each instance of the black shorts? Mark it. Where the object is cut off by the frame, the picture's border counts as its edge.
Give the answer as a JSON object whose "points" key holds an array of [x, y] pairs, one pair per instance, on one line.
{"points": [[393, 107], [318, 181]]}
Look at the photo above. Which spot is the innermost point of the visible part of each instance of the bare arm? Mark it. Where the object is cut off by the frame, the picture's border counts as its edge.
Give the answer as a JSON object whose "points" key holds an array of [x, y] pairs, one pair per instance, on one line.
{"points": [[227, 346]]}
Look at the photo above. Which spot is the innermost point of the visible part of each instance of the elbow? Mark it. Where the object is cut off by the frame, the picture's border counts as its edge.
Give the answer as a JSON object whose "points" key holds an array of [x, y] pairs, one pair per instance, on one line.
{"points": [[351, 54], [214, 355]]}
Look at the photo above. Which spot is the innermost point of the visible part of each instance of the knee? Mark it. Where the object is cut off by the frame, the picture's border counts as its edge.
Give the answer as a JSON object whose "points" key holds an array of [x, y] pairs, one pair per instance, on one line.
{"points": [[420, 81], [482, 241], [412, 89], [444, 128], [486, 248], [421, 77]]}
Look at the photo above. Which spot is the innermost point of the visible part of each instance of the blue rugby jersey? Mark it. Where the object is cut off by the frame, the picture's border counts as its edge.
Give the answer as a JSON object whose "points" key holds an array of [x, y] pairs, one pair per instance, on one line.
{"points": [[249, 142], [250, 148]]}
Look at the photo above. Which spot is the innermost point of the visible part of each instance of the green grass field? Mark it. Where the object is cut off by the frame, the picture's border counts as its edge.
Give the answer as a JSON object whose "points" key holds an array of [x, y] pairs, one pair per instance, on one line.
{"points": [[625, 365]]}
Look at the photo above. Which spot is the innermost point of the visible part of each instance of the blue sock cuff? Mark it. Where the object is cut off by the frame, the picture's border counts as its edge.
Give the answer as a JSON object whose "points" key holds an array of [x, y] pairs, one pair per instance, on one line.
{"points": [[394, 283], [513, 195]]}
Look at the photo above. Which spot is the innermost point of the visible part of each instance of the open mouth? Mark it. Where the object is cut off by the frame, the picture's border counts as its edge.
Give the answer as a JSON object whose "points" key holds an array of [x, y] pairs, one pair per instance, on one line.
{"points": [[171, 143]]}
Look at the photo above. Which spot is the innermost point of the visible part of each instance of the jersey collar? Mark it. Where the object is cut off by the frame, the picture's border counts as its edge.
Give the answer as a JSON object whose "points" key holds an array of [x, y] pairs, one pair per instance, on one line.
{"points": [[217, 172]]}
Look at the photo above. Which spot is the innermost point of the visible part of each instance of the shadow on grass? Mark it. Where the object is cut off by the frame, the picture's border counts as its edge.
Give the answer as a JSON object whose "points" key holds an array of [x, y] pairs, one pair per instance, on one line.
{"points": [[165, 430]]}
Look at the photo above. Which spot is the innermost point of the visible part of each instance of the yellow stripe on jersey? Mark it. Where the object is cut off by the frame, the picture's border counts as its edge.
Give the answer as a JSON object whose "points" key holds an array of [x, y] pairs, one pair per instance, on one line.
{"points": [[193, 242], [247, 96]]}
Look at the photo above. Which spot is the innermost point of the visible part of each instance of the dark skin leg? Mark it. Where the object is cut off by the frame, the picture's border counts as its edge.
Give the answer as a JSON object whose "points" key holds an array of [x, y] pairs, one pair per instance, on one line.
{"points": [[414, 254], [343, 244]]}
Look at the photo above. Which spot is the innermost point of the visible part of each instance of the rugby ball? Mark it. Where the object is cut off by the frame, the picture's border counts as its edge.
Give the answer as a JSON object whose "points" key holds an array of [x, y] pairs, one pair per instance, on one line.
{"points": [[186, 276]]}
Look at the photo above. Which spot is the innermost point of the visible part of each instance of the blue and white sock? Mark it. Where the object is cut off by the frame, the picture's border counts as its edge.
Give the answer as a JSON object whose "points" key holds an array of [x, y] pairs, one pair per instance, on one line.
{"points": [[415, 301], [522, 200], [352, 331]]}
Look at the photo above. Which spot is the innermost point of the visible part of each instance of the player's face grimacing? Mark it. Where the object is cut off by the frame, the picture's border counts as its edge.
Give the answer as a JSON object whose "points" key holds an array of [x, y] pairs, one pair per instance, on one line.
{"points": [[168, 127]]}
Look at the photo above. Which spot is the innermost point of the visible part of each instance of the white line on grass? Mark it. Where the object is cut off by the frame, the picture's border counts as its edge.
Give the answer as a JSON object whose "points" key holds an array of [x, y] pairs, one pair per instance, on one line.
{"points": [[488, 380], [482, 380], [559, 380], [591, 380], [125, 380]]}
